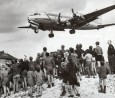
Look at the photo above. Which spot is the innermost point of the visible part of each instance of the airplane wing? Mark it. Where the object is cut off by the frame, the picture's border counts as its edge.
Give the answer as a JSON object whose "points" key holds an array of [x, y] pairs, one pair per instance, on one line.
{"points": [[106, 25], [24, 27], [94, 15]]}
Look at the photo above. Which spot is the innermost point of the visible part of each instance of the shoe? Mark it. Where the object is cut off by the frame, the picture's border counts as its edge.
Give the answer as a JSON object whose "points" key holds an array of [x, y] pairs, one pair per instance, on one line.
{"points": [[101, 89], [63, 93], [52, 84], [49, 86], [104, 89], [78, 94], [71, 96]]}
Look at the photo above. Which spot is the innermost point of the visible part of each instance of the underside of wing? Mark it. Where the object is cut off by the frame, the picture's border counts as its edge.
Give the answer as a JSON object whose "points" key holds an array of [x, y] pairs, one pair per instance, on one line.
{"points": [[99, 12], [94, 15]]}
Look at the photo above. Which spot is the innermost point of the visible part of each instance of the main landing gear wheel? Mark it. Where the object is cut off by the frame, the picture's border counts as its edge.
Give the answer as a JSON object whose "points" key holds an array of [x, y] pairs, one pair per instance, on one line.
{"points": [[36, 30], [51, 35], [72, 31]]}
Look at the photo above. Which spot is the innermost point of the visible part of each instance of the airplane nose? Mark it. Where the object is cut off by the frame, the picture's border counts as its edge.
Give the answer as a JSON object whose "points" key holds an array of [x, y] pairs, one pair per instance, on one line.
{"points": [[30, 18]]}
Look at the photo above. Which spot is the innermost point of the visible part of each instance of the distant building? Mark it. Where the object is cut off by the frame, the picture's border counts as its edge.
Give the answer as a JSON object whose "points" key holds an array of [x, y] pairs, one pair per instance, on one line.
{"points": [[6, 58]]}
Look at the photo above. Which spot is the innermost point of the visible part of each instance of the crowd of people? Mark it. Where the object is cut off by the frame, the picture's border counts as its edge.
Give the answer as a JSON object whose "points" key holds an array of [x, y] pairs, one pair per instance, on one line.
{"points": [[67, 65]]}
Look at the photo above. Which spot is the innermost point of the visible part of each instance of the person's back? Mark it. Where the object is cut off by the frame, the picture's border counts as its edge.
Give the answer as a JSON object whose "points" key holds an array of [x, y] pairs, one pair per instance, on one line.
{"points": [[48, 61], [30, 78], [74, 58], [88, 57], [102, 72], [39, 77], [15, 69], [4, 73], [98, 50]]}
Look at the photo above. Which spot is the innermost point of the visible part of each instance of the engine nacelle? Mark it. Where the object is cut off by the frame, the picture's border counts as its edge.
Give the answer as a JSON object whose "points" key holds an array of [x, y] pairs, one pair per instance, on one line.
{"points": [[68, 23], [34, 27]]}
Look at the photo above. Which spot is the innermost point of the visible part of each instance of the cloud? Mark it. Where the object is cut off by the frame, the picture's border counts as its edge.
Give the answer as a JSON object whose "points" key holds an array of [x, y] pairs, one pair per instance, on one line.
{"points": [[66, 5], [14, 13]]}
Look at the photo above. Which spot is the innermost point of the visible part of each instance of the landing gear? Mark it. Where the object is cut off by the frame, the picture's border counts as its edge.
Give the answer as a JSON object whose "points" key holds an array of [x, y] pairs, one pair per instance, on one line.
{"points": [[36, 30], [72, 31], [51, 34]]}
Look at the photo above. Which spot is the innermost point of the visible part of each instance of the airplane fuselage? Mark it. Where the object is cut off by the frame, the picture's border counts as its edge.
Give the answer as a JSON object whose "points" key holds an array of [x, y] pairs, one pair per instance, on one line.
{"points": [[52, 23], [57, 22]]}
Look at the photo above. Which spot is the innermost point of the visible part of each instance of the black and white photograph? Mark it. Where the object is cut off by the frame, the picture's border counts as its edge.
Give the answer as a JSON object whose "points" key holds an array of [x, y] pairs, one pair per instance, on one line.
{"points": [[57, 48]]}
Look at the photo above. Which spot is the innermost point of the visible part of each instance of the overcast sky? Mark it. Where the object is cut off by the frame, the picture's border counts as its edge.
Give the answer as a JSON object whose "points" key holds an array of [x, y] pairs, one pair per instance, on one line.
{"points": [[20, 42]]}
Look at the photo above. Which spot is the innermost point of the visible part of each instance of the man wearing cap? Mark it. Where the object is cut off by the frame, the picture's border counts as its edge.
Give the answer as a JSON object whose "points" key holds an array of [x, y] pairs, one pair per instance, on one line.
{"points": [[111, 56]]}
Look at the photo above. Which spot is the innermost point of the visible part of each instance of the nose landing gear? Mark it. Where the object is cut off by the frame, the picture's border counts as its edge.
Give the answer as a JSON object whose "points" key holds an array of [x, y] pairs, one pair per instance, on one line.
{"points": [[36, 30]]}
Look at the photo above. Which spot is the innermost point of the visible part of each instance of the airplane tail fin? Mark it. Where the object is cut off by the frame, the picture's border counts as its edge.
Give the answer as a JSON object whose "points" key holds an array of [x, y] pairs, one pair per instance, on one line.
{"points": [[106, 25]]}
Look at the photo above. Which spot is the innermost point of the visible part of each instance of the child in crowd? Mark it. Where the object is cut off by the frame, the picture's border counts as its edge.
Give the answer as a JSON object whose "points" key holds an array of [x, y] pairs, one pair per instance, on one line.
{"points": [[64, 73], [55, 73], [16, 76], [72, 78], [48, 64], [0, 81], [102, 72], [4, 76], [38, 80], [88, 62], [30, 80]]}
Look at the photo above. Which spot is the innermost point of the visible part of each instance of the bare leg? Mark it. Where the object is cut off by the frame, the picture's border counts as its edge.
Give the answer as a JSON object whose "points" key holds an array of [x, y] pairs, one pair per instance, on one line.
{"points": [[49, 80], [4, 88], [25, 82], [45, 72], [14, 85]]}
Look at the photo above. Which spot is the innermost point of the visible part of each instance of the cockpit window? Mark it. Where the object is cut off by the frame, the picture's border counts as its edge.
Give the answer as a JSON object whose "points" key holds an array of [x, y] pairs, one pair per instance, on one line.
{"points": [[37, 14]]}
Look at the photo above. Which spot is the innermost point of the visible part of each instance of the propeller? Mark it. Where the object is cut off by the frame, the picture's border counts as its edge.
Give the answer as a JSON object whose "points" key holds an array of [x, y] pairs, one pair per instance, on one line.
{"points": [[28, 20], [59, 17], [74, 15]]}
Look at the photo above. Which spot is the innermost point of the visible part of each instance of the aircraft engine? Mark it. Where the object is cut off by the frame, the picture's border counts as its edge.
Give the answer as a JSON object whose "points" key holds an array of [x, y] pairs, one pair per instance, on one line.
{"points": [[68, 23], [34, 27]]}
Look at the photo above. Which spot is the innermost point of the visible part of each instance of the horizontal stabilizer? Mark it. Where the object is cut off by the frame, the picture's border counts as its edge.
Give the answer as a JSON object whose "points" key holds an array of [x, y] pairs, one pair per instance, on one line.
{"points": [[106, 25]]}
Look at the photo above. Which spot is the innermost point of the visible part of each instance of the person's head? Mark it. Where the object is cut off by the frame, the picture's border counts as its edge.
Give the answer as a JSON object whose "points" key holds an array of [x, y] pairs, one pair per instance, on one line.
{"points": [[97, 43], [62, 46], [71, 50], [77, 46], [87, 51], [38, 55], [90, 47], [109, 42], [37, 68], [47, 54], [14, 61], [20, 60], [102, 63], [45, 49], [30, 58], [31, 68], [80, 46]]}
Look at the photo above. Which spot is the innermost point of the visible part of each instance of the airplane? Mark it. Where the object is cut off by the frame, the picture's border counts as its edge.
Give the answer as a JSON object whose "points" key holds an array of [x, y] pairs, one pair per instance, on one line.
{"points": [[60, 23]]}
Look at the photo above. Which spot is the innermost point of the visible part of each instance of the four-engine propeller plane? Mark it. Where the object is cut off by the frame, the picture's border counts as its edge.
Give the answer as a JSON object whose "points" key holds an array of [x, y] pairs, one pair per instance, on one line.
{"points": [[77, 22]]}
